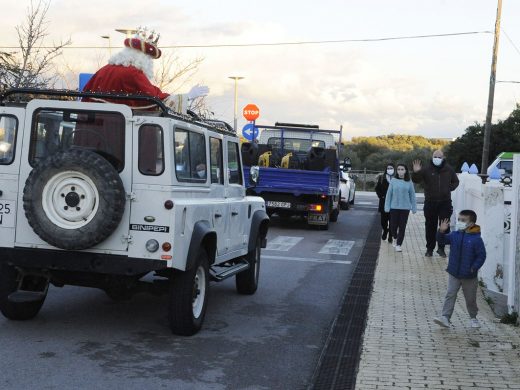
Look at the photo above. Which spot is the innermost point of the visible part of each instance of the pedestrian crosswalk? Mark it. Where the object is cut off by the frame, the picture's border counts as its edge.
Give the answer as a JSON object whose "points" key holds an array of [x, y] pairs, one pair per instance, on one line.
{"points": [[331, 247], [337, 247], [282, 243]]}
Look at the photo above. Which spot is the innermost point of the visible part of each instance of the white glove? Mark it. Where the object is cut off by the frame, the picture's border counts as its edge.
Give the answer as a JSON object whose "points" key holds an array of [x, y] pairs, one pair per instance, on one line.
{"points": [[197, 91]]}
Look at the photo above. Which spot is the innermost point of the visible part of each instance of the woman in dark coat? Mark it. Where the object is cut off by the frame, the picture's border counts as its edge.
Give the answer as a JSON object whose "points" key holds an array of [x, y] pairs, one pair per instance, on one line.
{"points": [[383, 181]]}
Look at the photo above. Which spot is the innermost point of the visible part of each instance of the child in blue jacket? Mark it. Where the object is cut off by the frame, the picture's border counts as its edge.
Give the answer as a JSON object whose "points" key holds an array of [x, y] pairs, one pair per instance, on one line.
{"points": [[467, 255]]}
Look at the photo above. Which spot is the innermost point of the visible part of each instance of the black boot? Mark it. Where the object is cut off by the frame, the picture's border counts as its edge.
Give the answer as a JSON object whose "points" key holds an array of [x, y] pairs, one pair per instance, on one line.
{"points": [[385, 233], [389, 238]]}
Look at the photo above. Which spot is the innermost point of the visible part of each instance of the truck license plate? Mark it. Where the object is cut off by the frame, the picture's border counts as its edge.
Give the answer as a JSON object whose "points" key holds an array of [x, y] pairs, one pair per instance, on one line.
{"points": [[7, 211], [318, 219], [283, 205]]}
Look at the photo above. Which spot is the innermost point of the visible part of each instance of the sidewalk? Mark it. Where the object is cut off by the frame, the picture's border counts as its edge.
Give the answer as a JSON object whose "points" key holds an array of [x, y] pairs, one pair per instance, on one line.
{"points": [[404, 349]]}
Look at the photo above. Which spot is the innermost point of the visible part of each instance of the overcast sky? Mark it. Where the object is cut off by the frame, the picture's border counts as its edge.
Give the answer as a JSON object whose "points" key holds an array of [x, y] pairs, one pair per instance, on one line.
{"points": [[434, 87]]}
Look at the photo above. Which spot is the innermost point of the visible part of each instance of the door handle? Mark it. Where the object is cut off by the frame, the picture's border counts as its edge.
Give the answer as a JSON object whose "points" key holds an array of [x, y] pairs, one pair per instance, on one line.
{"points": [[218, 215], [234, 213]]}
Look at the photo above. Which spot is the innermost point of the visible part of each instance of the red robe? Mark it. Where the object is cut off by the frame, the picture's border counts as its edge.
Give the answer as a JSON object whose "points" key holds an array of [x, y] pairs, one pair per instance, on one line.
{"points": [[126, 80]]}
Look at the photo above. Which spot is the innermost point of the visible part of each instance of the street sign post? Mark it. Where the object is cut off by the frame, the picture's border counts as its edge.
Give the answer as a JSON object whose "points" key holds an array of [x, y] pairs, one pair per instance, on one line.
{"points": [[250, 132], [251, 112]]}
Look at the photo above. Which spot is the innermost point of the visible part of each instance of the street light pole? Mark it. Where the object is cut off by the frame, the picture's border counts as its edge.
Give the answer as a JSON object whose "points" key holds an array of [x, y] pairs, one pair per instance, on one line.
{"points": [[491, 96], [236, 78], [109, 44]]}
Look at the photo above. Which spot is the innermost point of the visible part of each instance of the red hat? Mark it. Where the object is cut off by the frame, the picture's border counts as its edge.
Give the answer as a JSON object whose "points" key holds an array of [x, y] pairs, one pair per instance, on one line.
{"points": [[146, 45]]}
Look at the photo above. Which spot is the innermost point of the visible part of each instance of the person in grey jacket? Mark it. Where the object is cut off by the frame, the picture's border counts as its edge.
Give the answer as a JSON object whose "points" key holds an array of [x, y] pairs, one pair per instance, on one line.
{"points": [[400, 199]]}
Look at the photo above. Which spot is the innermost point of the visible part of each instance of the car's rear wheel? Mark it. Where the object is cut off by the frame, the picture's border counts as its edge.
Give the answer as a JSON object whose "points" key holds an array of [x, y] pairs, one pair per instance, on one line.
{"points": [[188, 297], [9, 281]]}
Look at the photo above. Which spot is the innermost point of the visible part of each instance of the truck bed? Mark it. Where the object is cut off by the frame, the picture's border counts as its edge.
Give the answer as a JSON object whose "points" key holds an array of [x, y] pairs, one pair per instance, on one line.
{"points": [[294, 181]]}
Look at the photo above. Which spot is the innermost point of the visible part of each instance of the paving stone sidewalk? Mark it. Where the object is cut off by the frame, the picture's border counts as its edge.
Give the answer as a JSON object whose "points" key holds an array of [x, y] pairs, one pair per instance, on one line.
{"points": [[404, 349]]}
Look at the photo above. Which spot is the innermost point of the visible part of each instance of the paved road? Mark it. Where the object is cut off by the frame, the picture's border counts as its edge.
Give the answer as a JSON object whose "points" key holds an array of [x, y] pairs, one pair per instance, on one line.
{"points": [[271, 340]]}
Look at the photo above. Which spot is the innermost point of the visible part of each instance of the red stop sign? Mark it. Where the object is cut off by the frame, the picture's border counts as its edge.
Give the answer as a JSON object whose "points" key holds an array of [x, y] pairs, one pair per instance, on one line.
{"points": [[251, 112]]}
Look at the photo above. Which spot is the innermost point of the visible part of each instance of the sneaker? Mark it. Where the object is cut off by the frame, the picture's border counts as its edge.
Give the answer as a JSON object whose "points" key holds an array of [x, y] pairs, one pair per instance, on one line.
{"points": [[394, 244], [428, 254], [474, 323], [385, 233], [398, 248], [442, 321], [390, 239], [441, 252]]}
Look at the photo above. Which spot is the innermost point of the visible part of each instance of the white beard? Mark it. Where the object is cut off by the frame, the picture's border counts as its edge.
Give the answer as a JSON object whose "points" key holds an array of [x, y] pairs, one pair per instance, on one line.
{"points": [[135, 58]]}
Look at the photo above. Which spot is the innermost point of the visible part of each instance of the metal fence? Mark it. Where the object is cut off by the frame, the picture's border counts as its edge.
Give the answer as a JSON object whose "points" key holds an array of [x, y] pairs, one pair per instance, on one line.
{"points": [[365, 179]]}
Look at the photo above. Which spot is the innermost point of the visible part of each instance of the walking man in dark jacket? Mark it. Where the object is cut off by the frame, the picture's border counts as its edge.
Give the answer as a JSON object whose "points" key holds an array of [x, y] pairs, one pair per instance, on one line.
{"points": [[438, 179], [383, 181]]}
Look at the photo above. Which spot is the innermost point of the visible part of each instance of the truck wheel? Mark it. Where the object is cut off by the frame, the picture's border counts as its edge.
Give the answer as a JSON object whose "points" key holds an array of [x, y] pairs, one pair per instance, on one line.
{"points": [[335, 213], [188, 297], [74, 199], [247, 281], [9, 278]]}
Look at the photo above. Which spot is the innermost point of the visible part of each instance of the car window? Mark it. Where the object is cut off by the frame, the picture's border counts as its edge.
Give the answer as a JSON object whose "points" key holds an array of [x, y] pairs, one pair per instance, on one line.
{"points": [[190, 156], [58, 130], [8, 126], [295, 144], [234, 168], [507, 166], [151, 150], [215, 150]]}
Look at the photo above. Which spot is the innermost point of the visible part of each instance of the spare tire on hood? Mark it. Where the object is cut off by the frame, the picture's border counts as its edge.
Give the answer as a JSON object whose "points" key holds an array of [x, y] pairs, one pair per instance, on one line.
{"points": [[74, 199]]}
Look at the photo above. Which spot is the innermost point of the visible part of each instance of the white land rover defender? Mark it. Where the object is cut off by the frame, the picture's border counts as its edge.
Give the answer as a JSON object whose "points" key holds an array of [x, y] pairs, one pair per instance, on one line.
{"points": [[95, 195]]}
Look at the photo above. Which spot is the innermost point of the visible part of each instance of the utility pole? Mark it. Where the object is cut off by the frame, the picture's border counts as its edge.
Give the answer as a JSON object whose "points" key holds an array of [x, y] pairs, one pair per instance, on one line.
{"points": [[236, 78], [491, 96]]}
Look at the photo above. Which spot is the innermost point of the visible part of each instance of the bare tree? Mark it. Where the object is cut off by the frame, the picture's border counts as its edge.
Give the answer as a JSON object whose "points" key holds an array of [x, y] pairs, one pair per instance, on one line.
{"points": [[32, 64], [201, 107], [173, 74]]}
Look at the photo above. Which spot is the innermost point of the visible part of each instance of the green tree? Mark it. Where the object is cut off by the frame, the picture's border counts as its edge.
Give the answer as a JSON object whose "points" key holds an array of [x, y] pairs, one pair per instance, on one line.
{"points": [[505, 137]]}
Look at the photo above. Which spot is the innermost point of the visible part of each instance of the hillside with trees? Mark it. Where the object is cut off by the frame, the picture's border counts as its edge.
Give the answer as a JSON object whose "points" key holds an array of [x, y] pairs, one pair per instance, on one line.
{"points": [[373, 153]]}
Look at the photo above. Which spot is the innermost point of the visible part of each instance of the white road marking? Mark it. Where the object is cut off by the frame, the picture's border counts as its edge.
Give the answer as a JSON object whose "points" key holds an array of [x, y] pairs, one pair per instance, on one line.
{"points": [[306, 259], [337, 247], [358, 202], [282, 243]]}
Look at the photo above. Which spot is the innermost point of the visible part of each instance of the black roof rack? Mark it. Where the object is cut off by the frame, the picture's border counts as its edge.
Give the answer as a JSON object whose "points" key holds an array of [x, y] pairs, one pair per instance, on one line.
{"points": [[108, 95], [280, 126], [285, 125]]}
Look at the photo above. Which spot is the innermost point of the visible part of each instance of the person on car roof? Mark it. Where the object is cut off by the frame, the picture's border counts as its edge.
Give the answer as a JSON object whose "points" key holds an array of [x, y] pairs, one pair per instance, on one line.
{"points": [[130, 71]]}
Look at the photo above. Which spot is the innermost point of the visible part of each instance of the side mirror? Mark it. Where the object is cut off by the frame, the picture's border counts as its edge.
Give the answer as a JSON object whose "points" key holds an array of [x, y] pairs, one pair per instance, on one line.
{"points": [[254, 174]]}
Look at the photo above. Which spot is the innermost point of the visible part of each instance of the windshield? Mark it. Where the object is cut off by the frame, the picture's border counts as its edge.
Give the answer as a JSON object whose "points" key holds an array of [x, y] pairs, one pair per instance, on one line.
{"points": [[295, 144]]}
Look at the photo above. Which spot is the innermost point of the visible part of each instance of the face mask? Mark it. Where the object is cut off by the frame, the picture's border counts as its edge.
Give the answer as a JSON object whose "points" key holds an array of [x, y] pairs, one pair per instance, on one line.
{"points": [[461, 225], [201, 174], [390, 171], [437, 161]]}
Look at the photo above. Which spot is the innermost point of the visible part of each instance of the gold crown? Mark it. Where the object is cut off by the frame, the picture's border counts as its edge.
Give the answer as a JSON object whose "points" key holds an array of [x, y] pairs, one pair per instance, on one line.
{"points": [[146, 35]]}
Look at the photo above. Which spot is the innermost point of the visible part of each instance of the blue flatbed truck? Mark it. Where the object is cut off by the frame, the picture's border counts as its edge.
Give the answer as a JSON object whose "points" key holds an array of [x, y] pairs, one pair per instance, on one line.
{"points": [[295, 168]]}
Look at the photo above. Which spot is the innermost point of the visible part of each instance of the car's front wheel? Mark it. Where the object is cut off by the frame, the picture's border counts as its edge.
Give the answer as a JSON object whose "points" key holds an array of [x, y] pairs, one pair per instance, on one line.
{"points": [[188, 297], [247, 281]]}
